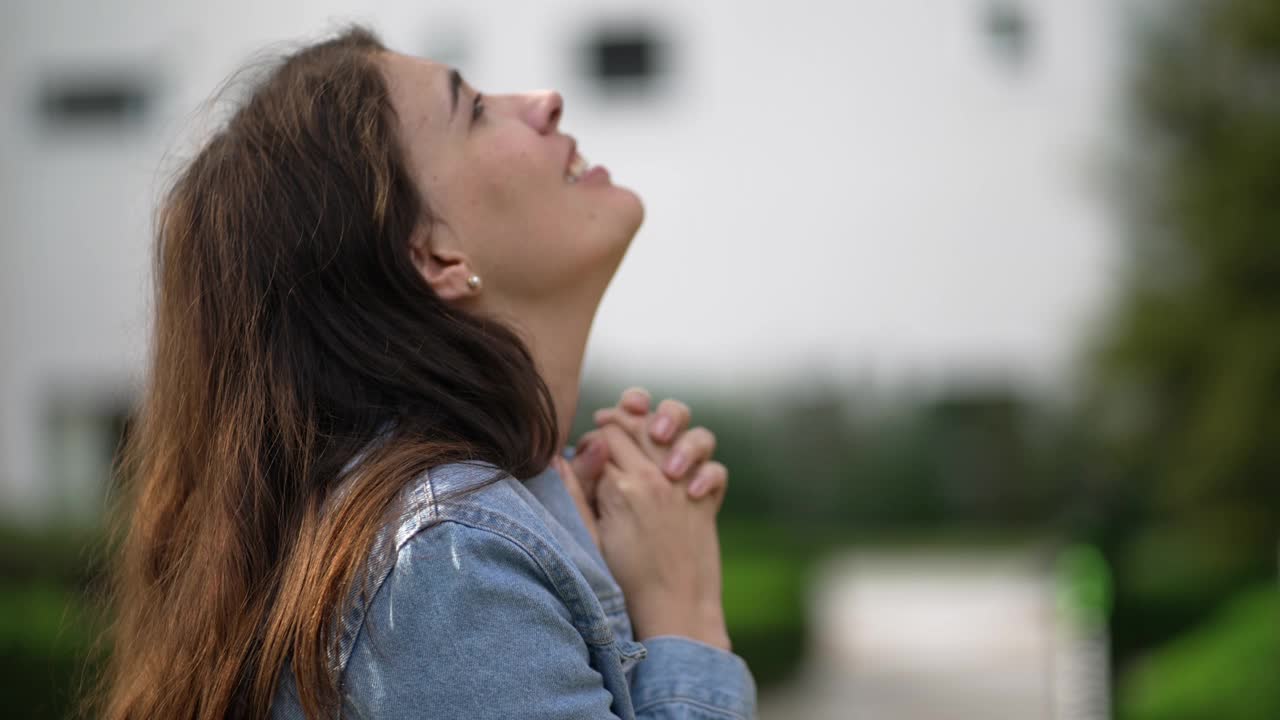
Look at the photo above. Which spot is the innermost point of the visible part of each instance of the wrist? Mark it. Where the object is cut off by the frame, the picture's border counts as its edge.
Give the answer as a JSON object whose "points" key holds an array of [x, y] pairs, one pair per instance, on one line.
{"points": [[716, 638], [706, 626]]}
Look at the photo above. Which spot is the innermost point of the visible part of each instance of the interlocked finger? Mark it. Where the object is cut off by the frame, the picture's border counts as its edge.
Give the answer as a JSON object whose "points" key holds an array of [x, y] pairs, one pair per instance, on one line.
{"points": [[670, 419], [634, 425], [635, 399], [624, 452], [712, 479], [692, 448]]}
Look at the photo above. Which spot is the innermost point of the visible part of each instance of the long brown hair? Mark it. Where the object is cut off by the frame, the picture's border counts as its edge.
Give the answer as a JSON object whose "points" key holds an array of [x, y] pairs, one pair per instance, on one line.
{"points": [[290, 330]]}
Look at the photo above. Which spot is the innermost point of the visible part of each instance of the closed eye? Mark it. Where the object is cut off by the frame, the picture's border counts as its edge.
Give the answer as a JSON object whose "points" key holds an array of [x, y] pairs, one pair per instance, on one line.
{"points": [[477, 107]]}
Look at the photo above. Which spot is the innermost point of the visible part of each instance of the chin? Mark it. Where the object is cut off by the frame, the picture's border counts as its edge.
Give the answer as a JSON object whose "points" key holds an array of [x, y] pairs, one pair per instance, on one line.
{"points": [[632, 210], [624, 219]]}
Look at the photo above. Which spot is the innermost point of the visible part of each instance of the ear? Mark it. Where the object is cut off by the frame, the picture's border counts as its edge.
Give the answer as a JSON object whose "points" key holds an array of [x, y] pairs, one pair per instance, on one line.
{"points": [[445, 270]]}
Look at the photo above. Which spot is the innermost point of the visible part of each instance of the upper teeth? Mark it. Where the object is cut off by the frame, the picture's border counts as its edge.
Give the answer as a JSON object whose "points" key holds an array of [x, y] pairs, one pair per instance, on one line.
{"points": [[576, 168]]}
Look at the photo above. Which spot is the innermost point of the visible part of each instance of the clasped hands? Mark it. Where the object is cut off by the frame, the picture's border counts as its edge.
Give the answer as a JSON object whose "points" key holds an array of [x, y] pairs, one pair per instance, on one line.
{"points": [[630, 430], [648, 492]]}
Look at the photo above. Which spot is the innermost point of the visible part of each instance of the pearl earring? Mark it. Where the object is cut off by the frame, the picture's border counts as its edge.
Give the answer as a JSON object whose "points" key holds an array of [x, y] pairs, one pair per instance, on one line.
{"points": [[473, 282]]}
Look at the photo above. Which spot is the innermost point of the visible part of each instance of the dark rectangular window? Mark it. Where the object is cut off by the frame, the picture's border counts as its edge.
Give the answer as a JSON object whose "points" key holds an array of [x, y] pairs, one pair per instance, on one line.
{"points": [[94, 100], [625, 57]]}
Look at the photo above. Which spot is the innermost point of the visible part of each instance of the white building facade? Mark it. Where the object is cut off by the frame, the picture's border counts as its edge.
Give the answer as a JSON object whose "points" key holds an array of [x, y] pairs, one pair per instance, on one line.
{"points": [[868, 187]]}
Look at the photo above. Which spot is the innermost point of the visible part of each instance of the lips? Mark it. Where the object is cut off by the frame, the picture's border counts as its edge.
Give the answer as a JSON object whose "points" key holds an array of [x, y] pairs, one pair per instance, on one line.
{"points": [[578, 168], [577, 165]]}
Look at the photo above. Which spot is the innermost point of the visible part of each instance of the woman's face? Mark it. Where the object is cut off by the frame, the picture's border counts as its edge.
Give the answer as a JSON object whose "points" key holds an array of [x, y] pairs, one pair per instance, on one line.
{"points": [[496, 171]]}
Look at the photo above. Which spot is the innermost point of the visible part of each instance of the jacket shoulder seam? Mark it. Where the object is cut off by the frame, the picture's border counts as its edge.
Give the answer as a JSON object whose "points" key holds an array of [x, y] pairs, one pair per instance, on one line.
{"points": [[558, 580], [555, 570]]}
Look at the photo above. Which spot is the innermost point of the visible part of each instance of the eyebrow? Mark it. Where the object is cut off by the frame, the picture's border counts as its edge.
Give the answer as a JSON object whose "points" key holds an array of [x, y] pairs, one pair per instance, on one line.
{"points": [[455, 81]]}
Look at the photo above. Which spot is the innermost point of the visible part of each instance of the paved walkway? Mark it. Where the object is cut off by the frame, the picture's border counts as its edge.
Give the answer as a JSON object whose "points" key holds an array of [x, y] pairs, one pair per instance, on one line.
{"points": [[910, 636]]}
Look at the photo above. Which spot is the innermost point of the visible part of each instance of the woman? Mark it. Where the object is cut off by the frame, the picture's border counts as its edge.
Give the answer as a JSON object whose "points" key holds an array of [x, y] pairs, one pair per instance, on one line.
{"points": [[374, 288]]}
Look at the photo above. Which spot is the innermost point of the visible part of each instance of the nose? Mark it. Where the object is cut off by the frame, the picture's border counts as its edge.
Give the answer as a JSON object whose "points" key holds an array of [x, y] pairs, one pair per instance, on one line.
{"points": [[543, 110]]}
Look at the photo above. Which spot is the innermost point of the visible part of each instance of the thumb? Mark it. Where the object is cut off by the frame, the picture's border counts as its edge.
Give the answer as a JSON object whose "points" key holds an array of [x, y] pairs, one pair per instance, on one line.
{"points": [[574, 486], [588, 463]]}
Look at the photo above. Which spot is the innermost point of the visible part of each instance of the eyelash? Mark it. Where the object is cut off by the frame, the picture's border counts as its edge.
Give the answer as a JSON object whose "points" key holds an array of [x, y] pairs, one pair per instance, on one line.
{"points": [[477, 107]]}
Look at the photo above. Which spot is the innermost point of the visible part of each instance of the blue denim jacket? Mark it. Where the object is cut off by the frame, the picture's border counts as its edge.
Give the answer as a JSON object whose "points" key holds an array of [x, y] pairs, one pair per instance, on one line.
{"points": [[499, 605]]}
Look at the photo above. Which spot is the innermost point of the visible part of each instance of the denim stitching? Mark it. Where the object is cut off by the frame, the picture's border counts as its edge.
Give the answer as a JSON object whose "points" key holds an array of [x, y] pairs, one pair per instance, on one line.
{"points": [[686, 700]]}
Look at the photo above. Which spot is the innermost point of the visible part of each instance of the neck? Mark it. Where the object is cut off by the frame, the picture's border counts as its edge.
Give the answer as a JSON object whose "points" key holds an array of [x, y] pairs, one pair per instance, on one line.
{"points": [[558, 341]]}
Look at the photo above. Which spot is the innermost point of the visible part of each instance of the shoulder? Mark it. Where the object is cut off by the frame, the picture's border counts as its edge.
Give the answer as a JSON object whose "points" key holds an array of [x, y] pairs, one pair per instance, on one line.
{"points": [[465, 535], [470, 577], [479, 510], [475, 599], [484, 558]]}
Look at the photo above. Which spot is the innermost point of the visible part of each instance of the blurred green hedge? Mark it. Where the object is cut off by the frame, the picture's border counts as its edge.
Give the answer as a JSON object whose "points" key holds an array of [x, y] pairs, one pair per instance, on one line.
{"points": [[47, 628], [766, 575], [45, 636], [1226, 669]]}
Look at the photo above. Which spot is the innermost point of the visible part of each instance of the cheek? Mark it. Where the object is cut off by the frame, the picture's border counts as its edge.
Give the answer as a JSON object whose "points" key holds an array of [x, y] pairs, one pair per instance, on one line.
{"points": [[511, 215], [505, 184], [524, 221], [518, 192]]}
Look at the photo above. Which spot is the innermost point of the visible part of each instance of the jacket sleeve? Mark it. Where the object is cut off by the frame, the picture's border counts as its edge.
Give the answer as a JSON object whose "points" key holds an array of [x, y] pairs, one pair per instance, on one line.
{"points": [[685, 678], [468, 625]]}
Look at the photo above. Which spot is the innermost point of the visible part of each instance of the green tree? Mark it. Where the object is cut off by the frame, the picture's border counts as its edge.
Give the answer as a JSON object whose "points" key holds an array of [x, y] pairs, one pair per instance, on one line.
{"points": [[1188, 369]]}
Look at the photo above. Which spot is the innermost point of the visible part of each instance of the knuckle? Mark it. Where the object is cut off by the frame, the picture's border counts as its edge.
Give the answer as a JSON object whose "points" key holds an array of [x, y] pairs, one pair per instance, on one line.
{"points": [[622, 422], [613, 484], [653, 475], [653, 482], [633, 424], [613, 433]]}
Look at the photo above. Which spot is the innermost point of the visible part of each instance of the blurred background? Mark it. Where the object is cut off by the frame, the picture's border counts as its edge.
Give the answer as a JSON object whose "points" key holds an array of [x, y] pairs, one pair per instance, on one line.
{"points": [[981, 298]]}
